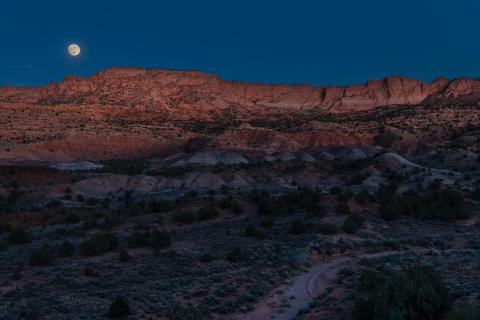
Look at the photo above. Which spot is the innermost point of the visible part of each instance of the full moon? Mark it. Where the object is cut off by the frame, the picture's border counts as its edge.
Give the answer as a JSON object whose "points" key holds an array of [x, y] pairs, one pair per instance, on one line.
{"points": [[74, 50]]}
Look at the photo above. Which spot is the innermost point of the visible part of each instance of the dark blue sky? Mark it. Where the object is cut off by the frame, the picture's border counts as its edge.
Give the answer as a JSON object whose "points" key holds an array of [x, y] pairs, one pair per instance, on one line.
{"points": [[318, 42]]}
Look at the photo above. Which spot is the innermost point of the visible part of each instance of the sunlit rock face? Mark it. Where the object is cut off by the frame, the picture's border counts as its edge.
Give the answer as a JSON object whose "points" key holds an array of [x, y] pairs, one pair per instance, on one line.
{"points": [[135, 112], [171, 89]]}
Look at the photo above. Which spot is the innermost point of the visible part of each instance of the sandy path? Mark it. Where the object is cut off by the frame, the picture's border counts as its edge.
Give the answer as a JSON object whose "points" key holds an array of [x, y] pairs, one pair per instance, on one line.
{"points": [[304, 288]]}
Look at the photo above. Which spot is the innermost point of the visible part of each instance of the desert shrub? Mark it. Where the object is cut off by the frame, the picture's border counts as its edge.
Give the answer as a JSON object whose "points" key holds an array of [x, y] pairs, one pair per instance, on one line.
{"points": [[256, 195], [65, 249], [119, 309], [160, 239], [3, 245], [19, 236], [385, 193], [335, 190], [124, 256], [99, 244], [362, 197], [224, 189], [441, 204], [17, 272], [89, 272], [298, 227], [54, 204], [370, 279], [419, 293], [162, 206], [91, 202], [185, 313], [305, 198], [41, 256], [342, 208], [252, 231], [237, 208], [138, 239], [8, 204], [327, 228], [155, 239], [207, 213], [385, 138], [267, 222], [31, 311], [124, 166], [89, 223], [72, 218], [352, 223], [184, 217], [467, 312], [225, 203], [342, 197], [5, 227], [266, 206], [206, 258], [391, 211], [112, 220], [237, 254], [476, 192]]}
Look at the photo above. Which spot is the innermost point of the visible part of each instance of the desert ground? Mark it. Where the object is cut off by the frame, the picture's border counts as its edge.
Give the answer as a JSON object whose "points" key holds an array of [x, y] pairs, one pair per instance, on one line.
{"points": [[175, 195]]}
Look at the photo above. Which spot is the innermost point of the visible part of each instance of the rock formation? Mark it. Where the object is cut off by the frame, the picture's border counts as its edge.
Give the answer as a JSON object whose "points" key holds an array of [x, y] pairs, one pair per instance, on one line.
{"points": [[170, 90], [131, 112]]}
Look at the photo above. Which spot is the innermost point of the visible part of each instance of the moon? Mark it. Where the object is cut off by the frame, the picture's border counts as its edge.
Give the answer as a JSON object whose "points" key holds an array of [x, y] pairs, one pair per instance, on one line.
{"points": [[74, 50]]}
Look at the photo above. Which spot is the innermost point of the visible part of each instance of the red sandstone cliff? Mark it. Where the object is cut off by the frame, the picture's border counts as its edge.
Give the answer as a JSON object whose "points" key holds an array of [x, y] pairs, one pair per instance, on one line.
{"points": [[170, 89], [133, 112]]}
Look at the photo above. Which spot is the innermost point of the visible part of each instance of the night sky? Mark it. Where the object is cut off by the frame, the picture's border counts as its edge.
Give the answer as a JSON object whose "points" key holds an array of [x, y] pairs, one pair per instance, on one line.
{"points": [[317, 42]]}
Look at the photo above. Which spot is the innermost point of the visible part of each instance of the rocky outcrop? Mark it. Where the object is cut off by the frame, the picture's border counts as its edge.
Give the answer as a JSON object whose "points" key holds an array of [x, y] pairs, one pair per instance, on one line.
{"points": [[123, 113], [171, 90]]}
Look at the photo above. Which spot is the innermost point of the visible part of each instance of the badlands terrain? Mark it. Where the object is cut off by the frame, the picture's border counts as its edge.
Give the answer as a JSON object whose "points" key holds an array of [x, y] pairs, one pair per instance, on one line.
{"points": [[160, 194]]}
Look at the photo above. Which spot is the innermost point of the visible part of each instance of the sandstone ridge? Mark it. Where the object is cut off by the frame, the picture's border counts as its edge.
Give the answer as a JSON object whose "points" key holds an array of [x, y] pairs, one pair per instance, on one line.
{"points": [[171, 89]]}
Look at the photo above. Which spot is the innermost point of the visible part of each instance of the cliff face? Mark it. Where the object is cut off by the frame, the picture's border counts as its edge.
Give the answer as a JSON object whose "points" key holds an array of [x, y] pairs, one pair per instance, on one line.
{"points": [[169, 90], [133, 112]]}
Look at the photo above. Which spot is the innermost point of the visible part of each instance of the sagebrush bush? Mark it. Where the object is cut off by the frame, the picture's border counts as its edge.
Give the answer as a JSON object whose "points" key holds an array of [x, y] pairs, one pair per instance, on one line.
{"points": [[467, 312], [252, 231], [298, 227], [207, 213], [65, 249], [160, 239], [124, 256], [41, 256], [119, 309], [72, 218], [237, 208], [156, 239], [419, 293], [162, 206], [327, 228], [432, 203], [237, 254], [99, 244], [342, 208], [352, 223], [19, 236], [184, 217], [206, 258]]}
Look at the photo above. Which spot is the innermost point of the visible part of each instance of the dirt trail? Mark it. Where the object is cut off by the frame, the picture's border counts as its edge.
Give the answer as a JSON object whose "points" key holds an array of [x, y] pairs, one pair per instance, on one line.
{"points": [[304, 288]]}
